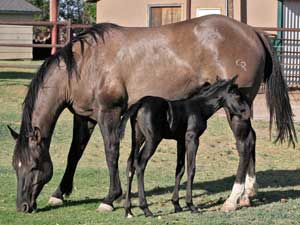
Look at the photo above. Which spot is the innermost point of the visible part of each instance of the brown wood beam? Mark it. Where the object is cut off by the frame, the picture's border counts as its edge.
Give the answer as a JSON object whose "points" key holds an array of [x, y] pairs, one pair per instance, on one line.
{"points": [[244, 11], [188, 9], [53, 18]]}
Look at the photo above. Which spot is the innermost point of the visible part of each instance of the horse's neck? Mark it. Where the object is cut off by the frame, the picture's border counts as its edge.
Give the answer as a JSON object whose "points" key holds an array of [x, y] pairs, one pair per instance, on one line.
{"points": [[49, 104], [208, 104]]}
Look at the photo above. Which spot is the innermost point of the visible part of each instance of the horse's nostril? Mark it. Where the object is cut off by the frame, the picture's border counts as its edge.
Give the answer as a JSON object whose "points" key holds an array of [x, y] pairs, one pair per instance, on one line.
{"points": [[25, 207]]}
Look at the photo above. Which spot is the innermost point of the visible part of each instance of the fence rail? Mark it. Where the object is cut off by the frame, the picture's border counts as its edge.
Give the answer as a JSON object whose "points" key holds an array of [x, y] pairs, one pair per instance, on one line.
{"points": [[285, 40]]}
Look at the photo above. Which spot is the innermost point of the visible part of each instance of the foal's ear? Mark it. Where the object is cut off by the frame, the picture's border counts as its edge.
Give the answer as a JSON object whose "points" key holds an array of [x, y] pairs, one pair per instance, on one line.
{"points": [[13, 133], [233, 80]]}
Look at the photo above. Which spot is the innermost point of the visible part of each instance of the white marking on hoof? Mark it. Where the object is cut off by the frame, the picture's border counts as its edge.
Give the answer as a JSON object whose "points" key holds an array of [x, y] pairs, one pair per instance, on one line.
{"points": [[229, 206], [251, 186], [104, 208], [245, 202], [55, 201], [129, 216]]}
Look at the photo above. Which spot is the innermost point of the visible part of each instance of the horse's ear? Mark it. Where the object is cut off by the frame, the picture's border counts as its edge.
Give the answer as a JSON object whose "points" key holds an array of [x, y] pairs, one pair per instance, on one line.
{"points": [[13, 133], [36, 135], [233, 80]]}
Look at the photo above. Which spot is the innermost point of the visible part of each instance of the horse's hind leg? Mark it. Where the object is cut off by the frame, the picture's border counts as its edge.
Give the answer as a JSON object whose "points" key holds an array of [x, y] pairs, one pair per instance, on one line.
{"points": [[192, 143], [179, 174], [82, 130], [245, 139], [250, 182], [108, 122], [140, 164], [137, 140]]}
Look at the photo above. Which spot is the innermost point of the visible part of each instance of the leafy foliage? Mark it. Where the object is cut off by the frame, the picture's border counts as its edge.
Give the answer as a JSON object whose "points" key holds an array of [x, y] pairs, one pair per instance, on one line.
{"points": [[76, 10]]}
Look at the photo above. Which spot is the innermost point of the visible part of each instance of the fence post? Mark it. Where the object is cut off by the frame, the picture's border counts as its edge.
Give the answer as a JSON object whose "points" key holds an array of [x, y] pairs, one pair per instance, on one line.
{"points": [[69, 33], [53, 18]]}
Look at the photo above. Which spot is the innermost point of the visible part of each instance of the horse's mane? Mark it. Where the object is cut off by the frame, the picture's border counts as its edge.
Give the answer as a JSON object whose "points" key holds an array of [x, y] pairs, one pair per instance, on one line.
{"points": [[64, 54]]}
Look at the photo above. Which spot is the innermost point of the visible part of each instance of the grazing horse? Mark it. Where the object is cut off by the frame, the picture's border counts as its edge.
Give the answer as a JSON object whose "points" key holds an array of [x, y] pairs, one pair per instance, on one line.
{"points": [[108, 68], [155, 118]]}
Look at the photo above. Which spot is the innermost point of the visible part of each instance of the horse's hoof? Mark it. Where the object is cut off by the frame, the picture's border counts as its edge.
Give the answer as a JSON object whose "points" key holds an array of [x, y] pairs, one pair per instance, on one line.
{"points": [[252, 191], [229, 206], [129, 216], [245, 202], [105, 208], [53, 201]]}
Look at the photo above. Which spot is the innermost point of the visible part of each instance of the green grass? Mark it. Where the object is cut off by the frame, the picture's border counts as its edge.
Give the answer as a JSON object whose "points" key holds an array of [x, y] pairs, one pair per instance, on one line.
{"points": [[278, 174]]}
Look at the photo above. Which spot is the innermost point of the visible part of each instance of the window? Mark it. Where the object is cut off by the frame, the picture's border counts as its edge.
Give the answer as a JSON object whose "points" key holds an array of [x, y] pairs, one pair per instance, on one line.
{"points": [[161, 15], [204, 12]]}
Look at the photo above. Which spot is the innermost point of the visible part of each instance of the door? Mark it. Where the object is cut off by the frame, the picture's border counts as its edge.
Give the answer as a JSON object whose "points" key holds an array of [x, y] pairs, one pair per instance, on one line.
{"points": [[161, 15]]}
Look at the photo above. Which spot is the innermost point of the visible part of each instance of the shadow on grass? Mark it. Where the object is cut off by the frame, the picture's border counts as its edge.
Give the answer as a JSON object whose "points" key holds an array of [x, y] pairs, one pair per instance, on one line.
{"points": [[266, 179], [68, 203], [16, 75]]}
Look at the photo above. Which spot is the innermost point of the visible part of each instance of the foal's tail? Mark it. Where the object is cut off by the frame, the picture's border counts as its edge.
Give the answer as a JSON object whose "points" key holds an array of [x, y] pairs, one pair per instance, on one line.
{"points": [[129, 113], [277, 95]]}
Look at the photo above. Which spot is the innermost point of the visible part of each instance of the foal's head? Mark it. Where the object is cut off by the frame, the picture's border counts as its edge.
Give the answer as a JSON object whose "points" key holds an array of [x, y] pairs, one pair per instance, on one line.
{"points": [[225, 93]]}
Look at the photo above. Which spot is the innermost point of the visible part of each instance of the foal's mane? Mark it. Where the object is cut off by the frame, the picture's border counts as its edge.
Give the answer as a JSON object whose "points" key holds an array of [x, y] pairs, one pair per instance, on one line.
{"points": [[65, 54], [208, 89]]}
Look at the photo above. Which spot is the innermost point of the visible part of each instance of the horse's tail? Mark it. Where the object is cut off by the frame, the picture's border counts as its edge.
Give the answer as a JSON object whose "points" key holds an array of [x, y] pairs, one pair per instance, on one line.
{"points": [[277, 95], [129, 113]]}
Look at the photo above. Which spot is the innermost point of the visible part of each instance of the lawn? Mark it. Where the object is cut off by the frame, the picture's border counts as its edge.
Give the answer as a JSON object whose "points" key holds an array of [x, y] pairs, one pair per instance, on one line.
{"points": [[278, 174]]}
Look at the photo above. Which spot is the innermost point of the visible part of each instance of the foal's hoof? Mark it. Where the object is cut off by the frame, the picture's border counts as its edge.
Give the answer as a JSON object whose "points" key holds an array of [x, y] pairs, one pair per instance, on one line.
{"points": [[105, 208], [148, 213], [177, 209], [245, 202], [129, 216], [53, 201], [192, 208], [229, 206]]}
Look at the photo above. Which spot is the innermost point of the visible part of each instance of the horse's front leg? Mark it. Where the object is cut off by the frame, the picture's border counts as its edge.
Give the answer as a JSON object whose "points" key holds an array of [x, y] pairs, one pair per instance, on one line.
{"points": [[82, 131], [245, 139], [191, 143], [108, 122]]}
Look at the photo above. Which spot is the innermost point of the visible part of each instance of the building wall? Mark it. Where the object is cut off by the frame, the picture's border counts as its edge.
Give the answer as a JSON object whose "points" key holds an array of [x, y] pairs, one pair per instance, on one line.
{"points": [[15, 35], [132, 13], [262, 13]]}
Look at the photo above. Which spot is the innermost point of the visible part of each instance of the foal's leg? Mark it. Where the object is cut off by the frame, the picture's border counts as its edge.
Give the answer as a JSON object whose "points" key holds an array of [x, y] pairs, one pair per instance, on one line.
{"points": [[192, 143], [179, 174], [140, 164], [82, 130], [136, 143], [245, 139], [108, 122]]}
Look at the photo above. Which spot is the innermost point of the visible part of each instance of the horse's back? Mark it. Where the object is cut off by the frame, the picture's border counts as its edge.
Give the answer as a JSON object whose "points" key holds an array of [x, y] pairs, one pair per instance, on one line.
{"points": [[171, 60]]}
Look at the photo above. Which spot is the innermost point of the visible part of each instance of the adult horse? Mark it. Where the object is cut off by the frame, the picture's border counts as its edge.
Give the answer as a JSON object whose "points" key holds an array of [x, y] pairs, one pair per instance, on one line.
{"points": [[109, 67]]}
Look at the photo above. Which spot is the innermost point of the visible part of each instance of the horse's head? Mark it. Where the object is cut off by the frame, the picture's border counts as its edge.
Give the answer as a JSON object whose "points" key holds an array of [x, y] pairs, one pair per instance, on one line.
{"points": [[33, 166], [234, 101]]}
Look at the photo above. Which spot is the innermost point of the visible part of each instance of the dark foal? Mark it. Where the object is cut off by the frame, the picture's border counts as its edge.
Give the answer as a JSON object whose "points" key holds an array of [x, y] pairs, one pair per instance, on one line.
{"points": [[154, 118]]}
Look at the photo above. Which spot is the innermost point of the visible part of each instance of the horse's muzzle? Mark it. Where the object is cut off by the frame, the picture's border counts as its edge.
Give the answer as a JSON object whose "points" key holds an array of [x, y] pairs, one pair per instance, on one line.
{"points": [[27, 208]]}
